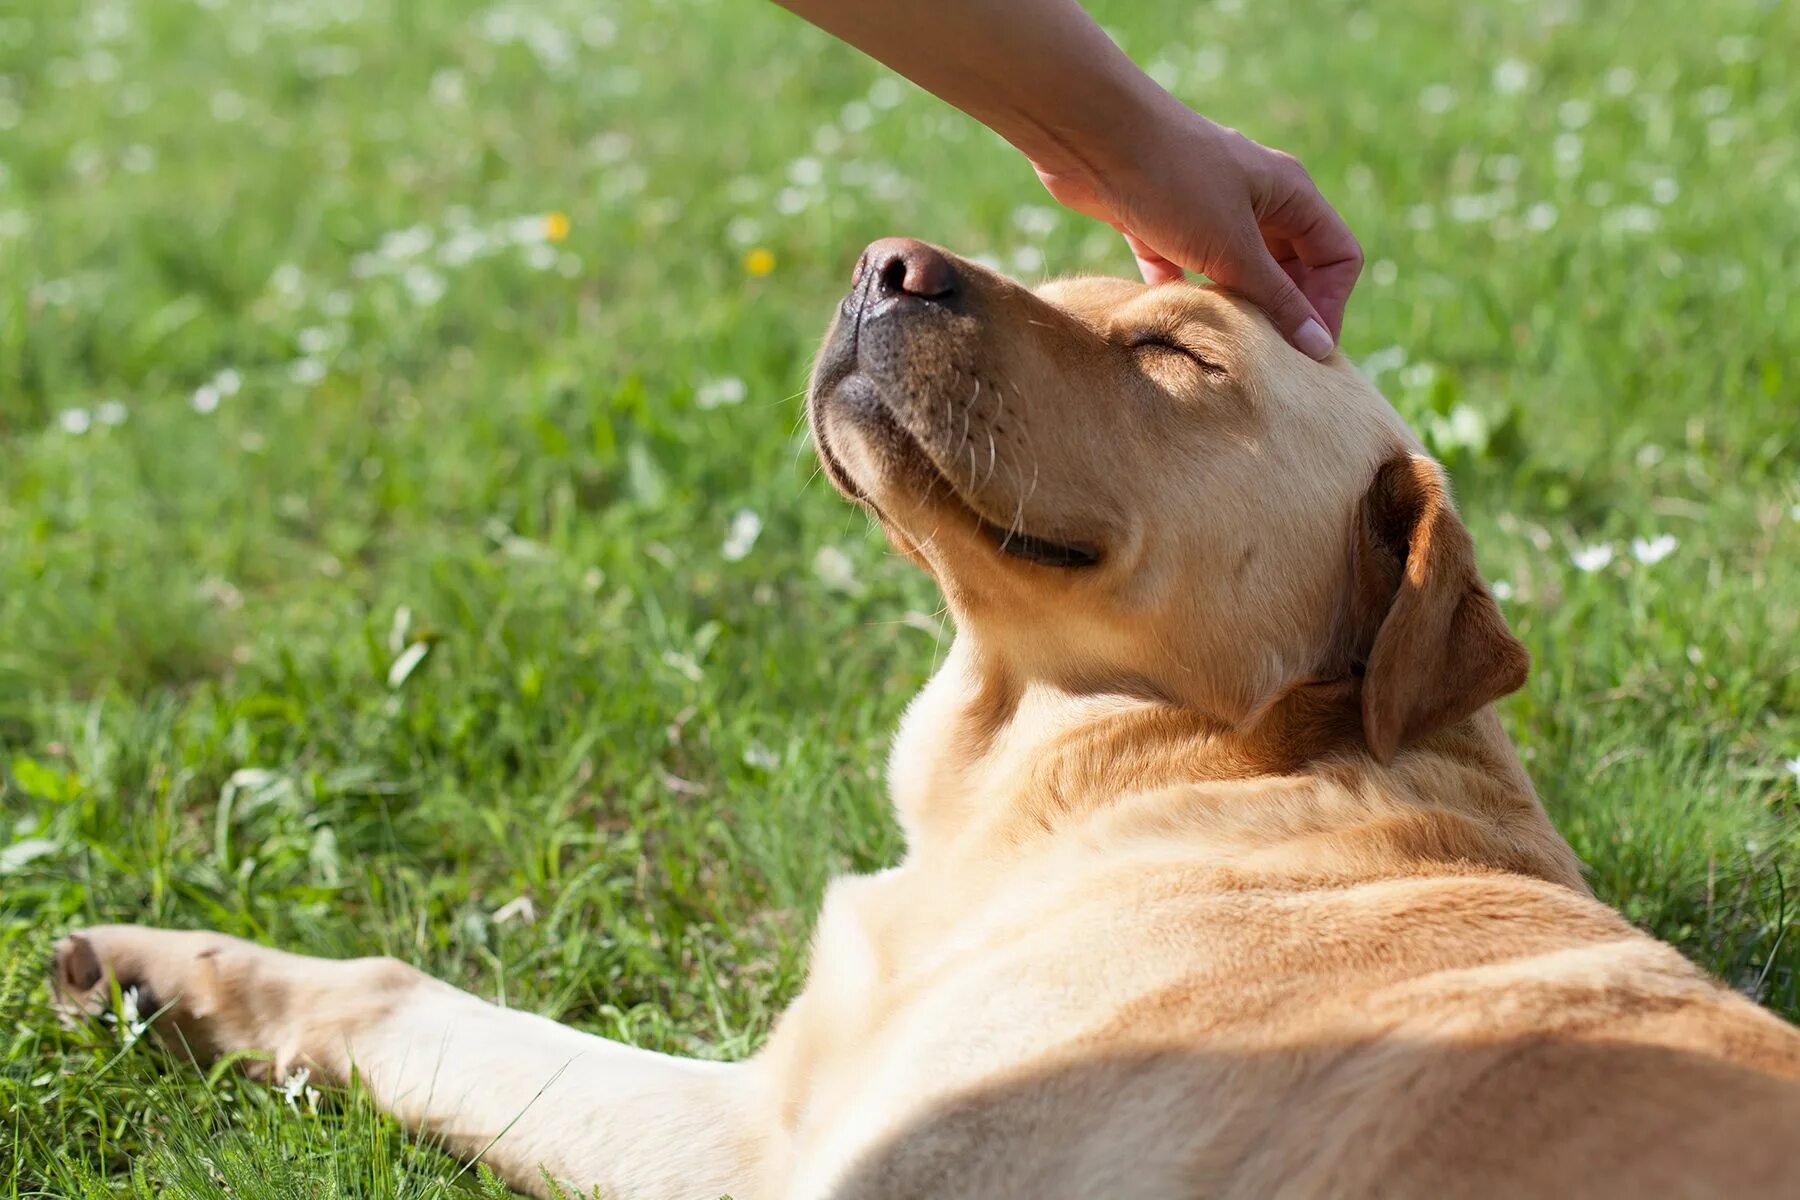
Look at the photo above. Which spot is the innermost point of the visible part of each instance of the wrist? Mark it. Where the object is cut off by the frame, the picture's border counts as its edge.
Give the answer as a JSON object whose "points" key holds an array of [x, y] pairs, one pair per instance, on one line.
{"points": [[1107, 138]]}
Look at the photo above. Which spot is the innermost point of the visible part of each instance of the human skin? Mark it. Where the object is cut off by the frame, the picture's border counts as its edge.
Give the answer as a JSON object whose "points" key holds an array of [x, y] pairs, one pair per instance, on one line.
{"points": [[1108, 141]]}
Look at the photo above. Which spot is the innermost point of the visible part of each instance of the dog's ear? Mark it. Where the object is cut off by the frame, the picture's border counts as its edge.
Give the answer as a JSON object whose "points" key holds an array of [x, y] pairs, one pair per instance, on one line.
{"points": [[1435, 645]]}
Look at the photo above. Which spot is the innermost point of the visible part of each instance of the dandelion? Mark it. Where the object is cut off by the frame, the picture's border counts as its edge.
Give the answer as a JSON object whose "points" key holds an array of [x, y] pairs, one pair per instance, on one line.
{"points": [[424, 285], [205, 399], [556, 226], [1593, 558], [75, 420], [305, 371], [742, 231], [1502, 590], [745, 528], [540, 257], [1653, 550], [759, 262], [716, 393], [111, 412]]}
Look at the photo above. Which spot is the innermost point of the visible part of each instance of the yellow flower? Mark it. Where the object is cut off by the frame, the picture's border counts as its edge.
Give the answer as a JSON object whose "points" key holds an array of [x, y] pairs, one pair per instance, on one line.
{"points": [[556, 226], [759, 262]]}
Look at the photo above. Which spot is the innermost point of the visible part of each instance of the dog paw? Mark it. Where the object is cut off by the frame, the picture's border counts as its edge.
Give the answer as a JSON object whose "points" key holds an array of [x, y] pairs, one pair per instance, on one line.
{"points": [[176, 983]]}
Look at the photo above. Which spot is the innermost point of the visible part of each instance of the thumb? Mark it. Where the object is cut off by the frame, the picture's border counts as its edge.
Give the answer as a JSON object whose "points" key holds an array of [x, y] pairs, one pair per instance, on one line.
{"points": [[1259, 278]]}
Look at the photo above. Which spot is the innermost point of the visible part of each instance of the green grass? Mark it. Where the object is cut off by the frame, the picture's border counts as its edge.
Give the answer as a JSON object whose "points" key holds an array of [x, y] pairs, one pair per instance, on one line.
{"points": [[1581, 234]]}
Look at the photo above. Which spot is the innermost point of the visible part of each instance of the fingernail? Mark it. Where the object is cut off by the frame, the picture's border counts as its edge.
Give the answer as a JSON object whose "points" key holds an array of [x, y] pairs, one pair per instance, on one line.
{"points": [[1312, 340]]}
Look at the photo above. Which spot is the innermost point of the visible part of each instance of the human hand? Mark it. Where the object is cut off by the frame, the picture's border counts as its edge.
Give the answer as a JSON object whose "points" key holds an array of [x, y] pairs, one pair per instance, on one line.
{"points": [[1188, 193]]}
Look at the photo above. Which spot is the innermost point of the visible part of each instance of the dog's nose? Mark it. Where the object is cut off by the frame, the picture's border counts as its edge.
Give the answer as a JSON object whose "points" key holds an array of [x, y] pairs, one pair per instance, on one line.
{"points": [[908, 267]]}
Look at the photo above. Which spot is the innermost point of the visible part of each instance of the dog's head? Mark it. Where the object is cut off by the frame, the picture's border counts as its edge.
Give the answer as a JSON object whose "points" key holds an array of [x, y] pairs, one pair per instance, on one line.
{"points": [[1145, 489]]}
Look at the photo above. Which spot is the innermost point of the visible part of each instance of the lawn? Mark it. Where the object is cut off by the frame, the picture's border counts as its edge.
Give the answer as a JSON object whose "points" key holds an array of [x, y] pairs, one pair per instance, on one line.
{"points": [[409, 545]]}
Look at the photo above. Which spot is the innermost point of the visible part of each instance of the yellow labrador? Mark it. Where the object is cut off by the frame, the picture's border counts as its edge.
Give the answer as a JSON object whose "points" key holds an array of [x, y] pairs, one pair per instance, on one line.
{"points": [[1223, 879]]}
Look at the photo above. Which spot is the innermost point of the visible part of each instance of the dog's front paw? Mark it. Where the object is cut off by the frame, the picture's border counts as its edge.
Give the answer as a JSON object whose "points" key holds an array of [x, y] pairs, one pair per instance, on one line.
{"points": [[196, 991]]}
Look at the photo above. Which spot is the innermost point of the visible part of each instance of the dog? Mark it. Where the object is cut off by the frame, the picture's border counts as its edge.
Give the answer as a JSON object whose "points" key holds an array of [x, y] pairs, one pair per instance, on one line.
{"points": [[1223, 879]]}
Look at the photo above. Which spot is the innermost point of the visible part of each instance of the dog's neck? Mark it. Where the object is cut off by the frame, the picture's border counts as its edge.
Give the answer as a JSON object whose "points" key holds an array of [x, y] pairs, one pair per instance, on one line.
{"points": [[985, 761]]}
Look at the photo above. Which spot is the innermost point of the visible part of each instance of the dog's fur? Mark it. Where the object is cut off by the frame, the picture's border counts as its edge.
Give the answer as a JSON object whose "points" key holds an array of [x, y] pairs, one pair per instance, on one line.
{"points": [[1223, 879]]}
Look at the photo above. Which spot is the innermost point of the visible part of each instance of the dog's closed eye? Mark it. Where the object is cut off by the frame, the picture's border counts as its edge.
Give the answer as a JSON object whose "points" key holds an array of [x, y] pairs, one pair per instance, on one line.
{"points": [[1151, 342]]}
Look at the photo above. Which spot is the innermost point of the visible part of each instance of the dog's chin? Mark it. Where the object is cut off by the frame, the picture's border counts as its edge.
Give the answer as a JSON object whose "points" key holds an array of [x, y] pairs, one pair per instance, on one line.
{"points": [[873, 459]]}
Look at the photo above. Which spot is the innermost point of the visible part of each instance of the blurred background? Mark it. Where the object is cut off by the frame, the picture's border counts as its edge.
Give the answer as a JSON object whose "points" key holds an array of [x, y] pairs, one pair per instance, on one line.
{"points": [[409, 542]]}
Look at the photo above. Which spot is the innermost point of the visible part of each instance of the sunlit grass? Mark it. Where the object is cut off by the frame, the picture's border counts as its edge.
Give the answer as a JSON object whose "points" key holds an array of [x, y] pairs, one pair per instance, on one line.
{"points": [[407, 544]]}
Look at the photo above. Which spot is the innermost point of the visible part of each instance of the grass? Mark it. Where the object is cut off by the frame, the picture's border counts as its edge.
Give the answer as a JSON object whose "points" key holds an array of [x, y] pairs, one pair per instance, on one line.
{"points": [[363, 544]]}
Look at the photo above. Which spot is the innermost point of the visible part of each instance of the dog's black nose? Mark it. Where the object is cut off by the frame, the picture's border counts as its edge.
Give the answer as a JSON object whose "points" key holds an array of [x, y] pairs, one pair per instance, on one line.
{"points": [[908, 267]]}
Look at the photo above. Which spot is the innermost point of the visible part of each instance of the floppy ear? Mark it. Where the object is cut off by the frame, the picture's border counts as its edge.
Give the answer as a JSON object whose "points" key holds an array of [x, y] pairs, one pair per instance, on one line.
{"points": [[1434, 641]]}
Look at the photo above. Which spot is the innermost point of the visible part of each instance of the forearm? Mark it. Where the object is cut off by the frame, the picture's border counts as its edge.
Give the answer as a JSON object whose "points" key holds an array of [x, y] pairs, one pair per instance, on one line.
{"points": [[1040, 73]]}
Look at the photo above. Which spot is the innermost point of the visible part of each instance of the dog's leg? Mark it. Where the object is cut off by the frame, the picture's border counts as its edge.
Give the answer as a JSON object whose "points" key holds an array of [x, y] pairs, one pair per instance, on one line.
{"points": [[525, 1094]]}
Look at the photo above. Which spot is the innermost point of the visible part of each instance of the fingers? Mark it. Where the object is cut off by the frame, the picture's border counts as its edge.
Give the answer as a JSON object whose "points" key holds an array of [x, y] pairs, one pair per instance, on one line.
{"points": [[1153, 266], [1253, 273], [1329, 257]]}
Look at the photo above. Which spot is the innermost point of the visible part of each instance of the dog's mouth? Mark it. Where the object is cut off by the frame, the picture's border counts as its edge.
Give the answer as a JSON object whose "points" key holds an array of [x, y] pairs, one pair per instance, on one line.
{"points": [[909, 455]]}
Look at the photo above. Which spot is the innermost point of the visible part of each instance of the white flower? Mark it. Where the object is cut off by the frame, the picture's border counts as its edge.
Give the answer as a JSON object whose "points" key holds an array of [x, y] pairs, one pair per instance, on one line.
{"points": [[1384, 272], [1593, 558], [294, 1087], [1419, 375], [1654, 550], [1634, 218], [835, 570], [74, 420], [746, 526], [1502, 590], [761, 757], [1793, 767], [1540, 217], [1620, 81], [718, 392], [744, 231], [1712, 101], [426, 286], [1028, 260], [306, 371], [1512, 77], [130, 1020], [1437, 98], [205, 398], [886, 92], [805, 172], [1034, 220], [228, 382], [111, 412], [540, 257], [1379, 362]]}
